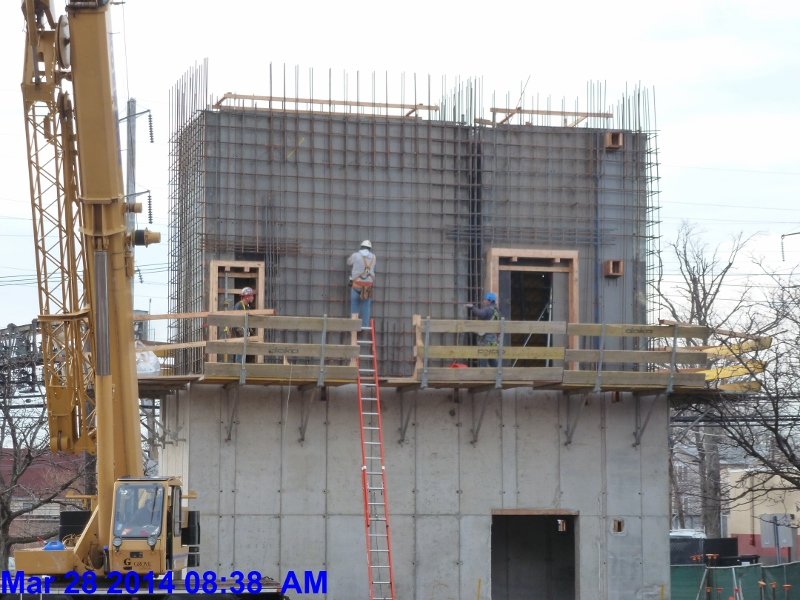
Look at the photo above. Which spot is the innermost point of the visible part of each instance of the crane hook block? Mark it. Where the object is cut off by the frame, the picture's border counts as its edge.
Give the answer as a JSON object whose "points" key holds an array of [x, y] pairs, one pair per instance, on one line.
{"points": [[145, 237]]}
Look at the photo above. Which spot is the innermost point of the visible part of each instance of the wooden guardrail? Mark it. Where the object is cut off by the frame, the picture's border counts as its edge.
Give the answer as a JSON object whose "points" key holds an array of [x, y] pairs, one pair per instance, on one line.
{"points": [[328, 359], [555, 354], [576, 355]]}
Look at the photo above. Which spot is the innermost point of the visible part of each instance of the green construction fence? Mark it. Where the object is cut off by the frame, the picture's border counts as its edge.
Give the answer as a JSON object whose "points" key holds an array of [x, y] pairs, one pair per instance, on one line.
{"points": [[699, 582]]}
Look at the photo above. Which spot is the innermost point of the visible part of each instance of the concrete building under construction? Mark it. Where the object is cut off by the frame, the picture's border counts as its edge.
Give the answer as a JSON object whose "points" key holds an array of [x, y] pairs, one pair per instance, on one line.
{"points": [[543, 477]]}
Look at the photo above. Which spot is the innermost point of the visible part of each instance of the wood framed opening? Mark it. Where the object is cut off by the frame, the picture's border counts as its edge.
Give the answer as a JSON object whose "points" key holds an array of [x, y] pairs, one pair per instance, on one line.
{"points": [[534, 285]]}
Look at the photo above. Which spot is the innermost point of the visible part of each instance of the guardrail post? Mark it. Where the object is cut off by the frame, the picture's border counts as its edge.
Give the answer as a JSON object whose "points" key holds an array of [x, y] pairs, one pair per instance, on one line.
{"points": [[598, 374], [321, 376], [243, 368], [425, 352], [498, 378], [672, 359]]}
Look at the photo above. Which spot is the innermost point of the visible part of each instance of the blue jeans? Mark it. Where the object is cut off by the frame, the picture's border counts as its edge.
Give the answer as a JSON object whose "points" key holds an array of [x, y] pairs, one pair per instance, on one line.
{"points": [[487, 343], [360, 307]]}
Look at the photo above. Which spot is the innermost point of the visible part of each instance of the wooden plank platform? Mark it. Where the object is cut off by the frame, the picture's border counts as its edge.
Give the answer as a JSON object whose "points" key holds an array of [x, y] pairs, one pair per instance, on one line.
{"points": [[603, 363]]}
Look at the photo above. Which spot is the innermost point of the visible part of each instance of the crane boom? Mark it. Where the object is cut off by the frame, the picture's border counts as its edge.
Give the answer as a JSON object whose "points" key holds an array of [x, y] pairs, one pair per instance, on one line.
{"points": [[84, 261]]}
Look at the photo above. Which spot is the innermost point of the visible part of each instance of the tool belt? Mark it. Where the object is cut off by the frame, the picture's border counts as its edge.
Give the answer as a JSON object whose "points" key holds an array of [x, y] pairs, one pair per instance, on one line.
{"points": [[363, 287]]}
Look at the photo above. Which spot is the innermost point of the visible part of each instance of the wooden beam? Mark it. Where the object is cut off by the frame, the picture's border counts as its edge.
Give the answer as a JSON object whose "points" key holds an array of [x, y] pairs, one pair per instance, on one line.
{"points": [[164, 348], [636, 356], [509, 352], [663, 331], [551, 113], [321, 102], [235, 318], [526, 374], [534, 269], [726, 372], [469, 326], [235, 346], [284, 373], [633, 379], [185, 315], [752, 345]]}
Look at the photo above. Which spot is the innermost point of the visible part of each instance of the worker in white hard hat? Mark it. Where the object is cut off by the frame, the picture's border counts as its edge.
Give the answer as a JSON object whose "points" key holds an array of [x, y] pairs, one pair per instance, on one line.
{"points": [[246, 299], [362, 278]]}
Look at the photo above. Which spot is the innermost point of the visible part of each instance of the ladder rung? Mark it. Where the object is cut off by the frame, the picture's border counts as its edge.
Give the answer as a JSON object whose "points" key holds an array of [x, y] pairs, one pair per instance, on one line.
{"points": [[371, 414], [374, 489], [378, 535], [365, 427], [374, 472], [377, 550]]}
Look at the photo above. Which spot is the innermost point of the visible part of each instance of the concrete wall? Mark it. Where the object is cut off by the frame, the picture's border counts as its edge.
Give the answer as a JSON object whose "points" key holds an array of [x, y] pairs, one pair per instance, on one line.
{"points": [[273, 503]]}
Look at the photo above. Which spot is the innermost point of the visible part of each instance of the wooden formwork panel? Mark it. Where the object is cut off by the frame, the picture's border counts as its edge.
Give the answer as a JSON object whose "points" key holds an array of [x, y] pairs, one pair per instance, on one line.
{"points": [[226, 280]]}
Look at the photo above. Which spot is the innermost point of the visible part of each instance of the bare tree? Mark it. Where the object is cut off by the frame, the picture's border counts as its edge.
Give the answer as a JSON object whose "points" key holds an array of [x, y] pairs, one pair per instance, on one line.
{"points": [[31, 477], [766, 425], [696, 300]]}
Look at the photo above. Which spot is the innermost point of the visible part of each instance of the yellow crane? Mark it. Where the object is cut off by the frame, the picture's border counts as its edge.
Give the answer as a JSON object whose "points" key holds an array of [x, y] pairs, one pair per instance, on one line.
{"points": [[84, 262]]}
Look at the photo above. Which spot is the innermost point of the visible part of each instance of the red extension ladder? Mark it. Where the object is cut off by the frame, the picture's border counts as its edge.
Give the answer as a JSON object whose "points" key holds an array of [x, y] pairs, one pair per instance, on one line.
{"points": [[373, 474]]}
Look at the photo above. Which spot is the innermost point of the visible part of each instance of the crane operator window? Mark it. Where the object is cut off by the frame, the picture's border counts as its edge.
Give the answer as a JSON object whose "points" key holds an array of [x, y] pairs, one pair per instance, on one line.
{"points": [[138, 509]]}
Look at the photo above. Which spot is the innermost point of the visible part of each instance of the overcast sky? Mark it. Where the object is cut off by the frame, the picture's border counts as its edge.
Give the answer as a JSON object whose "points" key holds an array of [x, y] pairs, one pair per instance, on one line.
{"points": [[725, 77]]}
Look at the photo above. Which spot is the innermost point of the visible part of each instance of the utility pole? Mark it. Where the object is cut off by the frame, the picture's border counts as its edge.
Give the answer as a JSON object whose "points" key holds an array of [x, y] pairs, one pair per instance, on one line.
{"points": [[130, 173]]}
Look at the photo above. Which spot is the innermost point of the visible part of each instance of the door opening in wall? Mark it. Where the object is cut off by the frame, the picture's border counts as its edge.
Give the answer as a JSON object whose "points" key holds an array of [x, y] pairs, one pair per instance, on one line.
{"points": [[527, 296], [533, 556]]}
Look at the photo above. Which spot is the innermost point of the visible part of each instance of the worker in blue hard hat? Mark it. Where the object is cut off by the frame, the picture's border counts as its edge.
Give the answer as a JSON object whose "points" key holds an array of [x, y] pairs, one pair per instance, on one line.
{"points": [[486, 312]]}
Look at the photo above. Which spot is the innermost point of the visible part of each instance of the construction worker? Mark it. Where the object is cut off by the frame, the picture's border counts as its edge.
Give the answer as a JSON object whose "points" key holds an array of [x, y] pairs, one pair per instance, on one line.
{"points": [[486, 312], [245, 303], [362, 278]]}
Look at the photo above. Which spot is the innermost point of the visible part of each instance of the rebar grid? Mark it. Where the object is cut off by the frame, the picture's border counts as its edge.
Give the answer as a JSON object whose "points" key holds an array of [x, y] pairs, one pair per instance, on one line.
{"points": [[298, 183]]}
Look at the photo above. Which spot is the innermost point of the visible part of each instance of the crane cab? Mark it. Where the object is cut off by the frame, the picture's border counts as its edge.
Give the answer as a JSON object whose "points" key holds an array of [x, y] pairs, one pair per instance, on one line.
{"points": [[150, 530]]}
